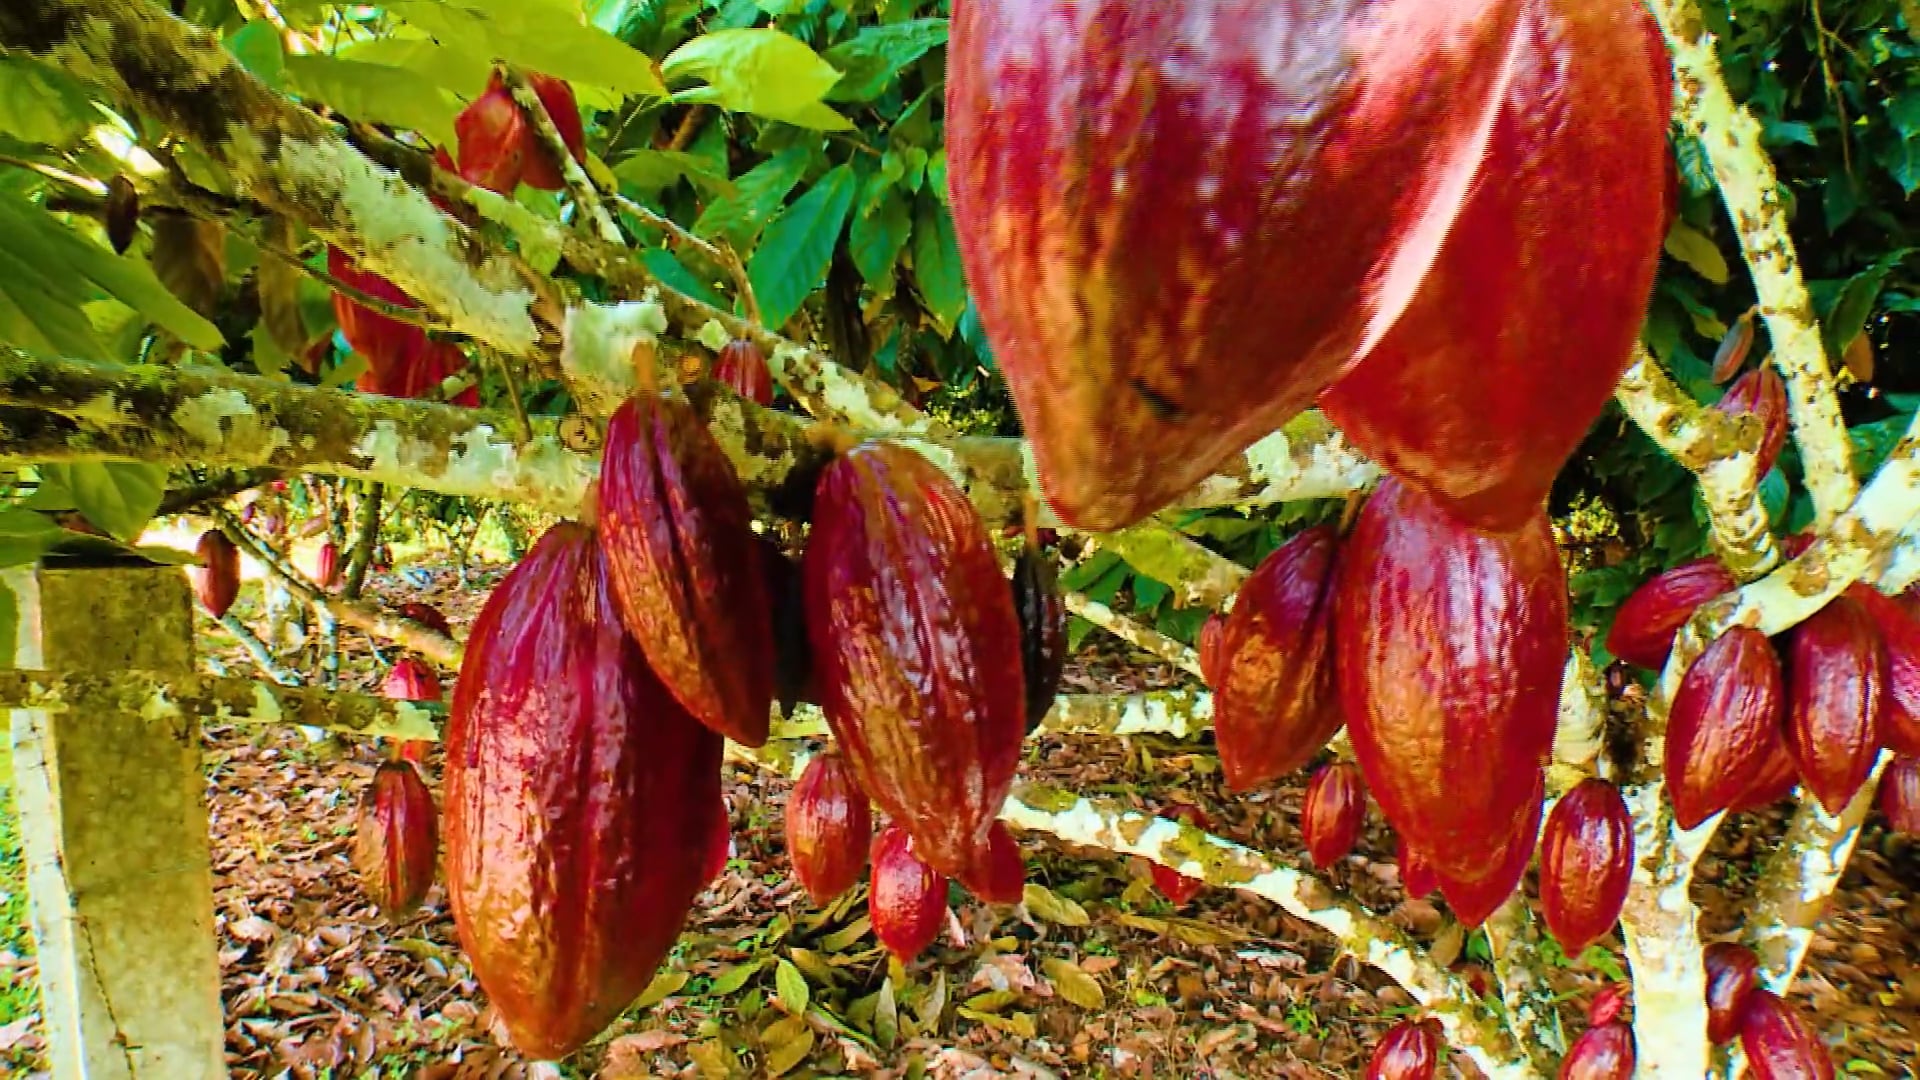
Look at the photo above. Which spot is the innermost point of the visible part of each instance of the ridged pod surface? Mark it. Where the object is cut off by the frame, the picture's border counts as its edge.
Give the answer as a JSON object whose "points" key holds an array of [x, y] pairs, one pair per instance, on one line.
{"points": [[917, 648], [1450, 648], [1586, 863], [1900, 795], [326, 566], [573, 782], [1835, 676], [1778, 1043], [1516, 337], [1276, 703], [1778, 777], [1732, 972], [1724, 726], [907, 901], [1473, 901], [1900, 634], [1409, 1050], [1416, 877], [1002, 876], [1133, 184], [396, 840], [1603, 1052], [829, 828], [412, 680], [1334, 810], [1645, 626], [742, 367], [1043, 630], [689, 584], [216, 580], [1763, 394], [1212, 633], [1175, 886]]}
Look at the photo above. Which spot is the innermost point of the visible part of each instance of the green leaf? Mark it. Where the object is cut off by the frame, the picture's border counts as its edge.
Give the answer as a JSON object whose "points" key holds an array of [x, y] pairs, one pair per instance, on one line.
{"points": [[876, 238], [377, 94], [936, 264], [758, 195], [666, 266], [459, 71], [793, 256], [735, 977], [651, 170], [549, 36], [760, 71], [40, 103], [871, 58], [1855, 302], [790, 988], [664, 985], [119, 497], [25, 536], [1698, 251], [257, 46], [1052, 907], [886, 1017]]}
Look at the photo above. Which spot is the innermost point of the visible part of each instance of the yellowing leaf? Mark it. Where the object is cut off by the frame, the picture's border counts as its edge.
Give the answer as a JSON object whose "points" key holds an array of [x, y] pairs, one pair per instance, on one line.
{"points": [[712, 1059], [664, 985], [1698, 251], [992, 1001], [735, 978], [790, 987], [784, 1055], [1052, 907], [761, 71], [1072, 983]]}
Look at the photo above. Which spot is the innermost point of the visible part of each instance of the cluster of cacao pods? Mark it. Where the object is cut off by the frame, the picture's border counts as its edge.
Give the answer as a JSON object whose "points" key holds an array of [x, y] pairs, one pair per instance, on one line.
{"points": [[1777, 1040]]}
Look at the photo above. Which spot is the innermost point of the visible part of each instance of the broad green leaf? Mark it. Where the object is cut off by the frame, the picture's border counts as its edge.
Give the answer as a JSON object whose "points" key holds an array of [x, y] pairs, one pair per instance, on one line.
{"points": [[735, 977], [42, 313], [871, 58], [760, 71], [664, 265], [119, 497], [1697, 250], [787, 1047], [40, 103], [1855, 302], [876, 239], [458, 70], [793, 255], [25, 536], [548, 36], [790, 987], [936, 264], [758, 195], [651, 170], [843, 939], [377, 94], [257, 46]]}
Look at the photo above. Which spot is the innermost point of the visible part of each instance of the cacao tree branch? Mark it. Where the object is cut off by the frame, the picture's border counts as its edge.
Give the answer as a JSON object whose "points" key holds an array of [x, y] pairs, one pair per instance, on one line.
{"points": [[366, 538], [1134, 633], [222, 485], [221, 701], [1731, 138], [256, 649], [585, 197], [1195, 574], [1515, 941]]}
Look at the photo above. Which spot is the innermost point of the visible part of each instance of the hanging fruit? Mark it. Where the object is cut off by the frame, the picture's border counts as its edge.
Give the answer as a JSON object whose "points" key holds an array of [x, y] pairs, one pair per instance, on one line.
{"points": [[1276, 705], [1732, 973], [1778, 777], [326, 567], [396, 842], [1835, 678], [1586, 863], [907, 901], [1475, 900], [917, 648], [1731, 356], [1334, 811], [573, 780], [493, 138], [1607, 1005], [719, 847], [1416, 877], [1646, 624], [1213, 633], [428, 616], [742, 367], [1900, 795], [680, 548], [540, 170], [216, 580], [1778, 1043], [1900, 634], [829, 828], [1410, 1050], [1002, 876], [412, 680], [1602, 1052], [1172, 884], [1762, 394], [1724, 726]]}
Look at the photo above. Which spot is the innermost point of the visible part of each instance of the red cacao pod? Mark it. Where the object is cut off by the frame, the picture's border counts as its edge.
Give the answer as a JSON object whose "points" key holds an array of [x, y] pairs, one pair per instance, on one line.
{"points": [[1002, 877], [719, 847], [1409, 1051], [1450, 648], [494, 137], [426, 615], [415, 751], [1043, 630], [1732, 973], [383, 340], [1761, 393], [1724, 727], [1416, 877], [1603, 1052], [1586, 863], [1645, 626], [1900, 795], [1172, 884], [1778, 777], [1459, 398], [1473, 901], [395, 841], [793, 678], [574, 781], [1731, 356], [412, 680], [1607, 1005], [907, 901], [541, 171], [326, 566], [1213, 633], [917, 648], [1125, 253], [423, 365], [690, 586], [829, 827], [216, 580], [1778, 1042], [1334, 810], [1276, 704], [1900, 634], [1835, 677], [743, 367]]}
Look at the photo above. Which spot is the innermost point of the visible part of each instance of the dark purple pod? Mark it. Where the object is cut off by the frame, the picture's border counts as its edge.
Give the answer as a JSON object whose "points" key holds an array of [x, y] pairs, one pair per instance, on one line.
{"points": [[1724, 726], [1586, 863], [1732, 972], [1410, 1050], [1835, 678], [1778, 1042], [1644, 627], [1603, 1052]]}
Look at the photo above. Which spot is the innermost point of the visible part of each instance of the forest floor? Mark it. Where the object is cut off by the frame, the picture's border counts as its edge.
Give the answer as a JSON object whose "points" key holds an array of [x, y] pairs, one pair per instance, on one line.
{"points": [[1109, 980]]}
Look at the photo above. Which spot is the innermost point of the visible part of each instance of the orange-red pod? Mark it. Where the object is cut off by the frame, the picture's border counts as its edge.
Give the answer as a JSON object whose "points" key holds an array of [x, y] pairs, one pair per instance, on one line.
{"points": [[1416, 877], [1724, 726], [579, 799], [384, 341], [1410, 1050], [1646, 624], [539, 170], [1212, 633], [326, 566], [1450, 647], [216, 580], [1474, 900], [1900, 634], [1779, 1043], [1732, 353], [494, 139], [907, 901], [1002, 877], [1761, 392], [396, 841], [1172, 884], [1602, 1052], [412, 680], [917, 648], [1334, 811], [1607, 1005], [1586, 863], [426, 615], [829, 828], [743, 367], [1276, 704], [1836, 675], [688, 579], [1732, 973], [1900, 795], [1513, 341]]}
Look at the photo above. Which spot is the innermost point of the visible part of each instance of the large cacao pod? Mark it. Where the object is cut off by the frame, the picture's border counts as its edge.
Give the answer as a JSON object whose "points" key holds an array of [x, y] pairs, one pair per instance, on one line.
{"points": [[539, 169], [1516, 337], [907, 902], [1174, 885], [494, 139], [1900, 634], [1900, 795], [1450, 648], [1002, 877], [1778, 777], [1473, 901], [396, 841], [743, 367], [1043, 630], [1778, 1042], [1646, 624], [216, 580], [1213, 633], [1276, 704], [690, 585], [1603, 1052], [1416, 877], [829, 828], [579, 794], [412, 680], [793, 678], [917, 648], [1732, 972], [1113, 169], [1761, 394], [1410, 1050], [1835, 678], [1586, 863], [1334, 811], [383, 340], [1724, 726]]}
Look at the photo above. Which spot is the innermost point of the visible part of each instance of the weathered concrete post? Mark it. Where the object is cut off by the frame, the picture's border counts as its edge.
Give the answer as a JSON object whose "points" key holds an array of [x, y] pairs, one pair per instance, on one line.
{"points": [[114, 823]]}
